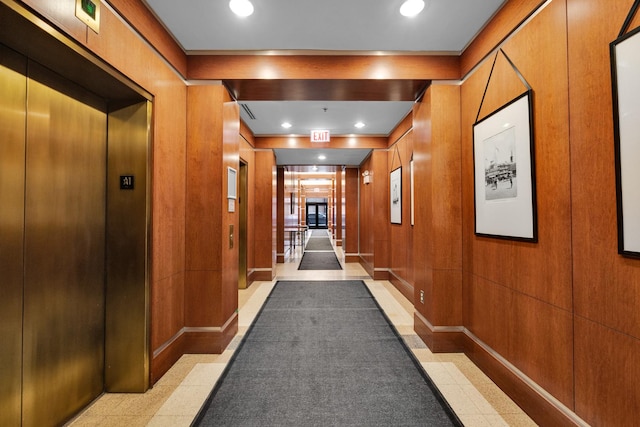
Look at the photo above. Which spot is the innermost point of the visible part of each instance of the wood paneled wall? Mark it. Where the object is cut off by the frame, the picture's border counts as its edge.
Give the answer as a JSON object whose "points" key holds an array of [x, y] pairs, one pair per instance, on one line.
{"points": [[247, 155], [518, 296], [401, 235], [437, 240], [606, 286], [561, 311], [211, 268], [351, 224], [374, 211], [338, 208], [264, 244]]}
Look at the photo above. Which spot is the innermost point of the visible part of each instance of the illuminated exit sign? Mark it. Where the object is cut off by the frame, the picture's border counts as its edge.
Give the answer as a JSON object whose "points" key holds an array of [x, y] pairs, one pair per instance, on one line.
{"points": [[320, 136]]}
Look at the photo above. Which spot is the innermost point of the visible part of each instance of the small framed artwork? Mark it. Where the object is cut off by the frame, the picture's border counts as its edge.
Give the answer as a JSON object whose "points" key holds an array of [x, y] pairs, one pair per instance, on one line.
{"points": [[504, 172], [231, 183], [625, 69], [395, 186], [412, 184]]}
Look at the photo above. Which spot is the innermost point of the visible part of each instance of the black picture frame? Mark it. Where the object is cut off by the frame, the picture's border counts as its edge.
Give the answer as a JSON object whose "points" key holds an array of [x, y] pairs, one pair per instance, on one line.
{"points": [[504, 172], [395, 196], [625, 69]]}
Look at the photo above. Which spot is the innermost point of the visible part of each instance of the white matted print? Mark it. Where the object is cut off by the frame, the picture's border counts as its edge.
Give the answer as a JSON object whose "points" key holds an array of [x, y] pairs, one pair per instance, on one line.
{"points": [[625, 61], [505, 202], [395, 196]]}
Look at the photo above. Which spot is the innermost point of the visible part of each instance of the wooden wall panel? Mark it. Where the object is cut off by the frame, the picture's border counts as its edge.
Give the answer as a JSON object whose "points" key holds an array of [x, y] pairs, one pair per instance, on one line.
{"points": [[135, 60], [265, 214], [607, 373], [374, 216], [512, 13], [140, 18], [247, 155], [351, 249], [211, 277], [61, 13], [400, 235], [204, 163], [606, 285], [446, 206], [380, 214], [276, 67], [423, 245], [366, 236], [516, 293], [230, 116], [437, 231]]}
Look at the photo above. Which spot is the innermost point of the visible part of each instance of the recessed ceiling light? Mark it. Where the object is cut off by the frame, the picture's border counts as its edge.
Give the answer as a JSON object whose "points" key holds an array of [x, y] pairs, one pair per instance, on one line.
{"points": [[359, 125], [241, 7], [286, 125], [411, 8], [322, 157]]}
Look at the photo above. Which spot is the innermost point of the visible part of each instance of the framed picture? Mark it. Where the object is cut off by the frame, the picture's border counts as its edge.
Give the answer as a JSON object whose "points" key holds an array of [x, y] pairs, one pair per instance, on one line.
{"points": [[504, 172], [412, 186], [395, 187], [625, 69], [231, 183]]}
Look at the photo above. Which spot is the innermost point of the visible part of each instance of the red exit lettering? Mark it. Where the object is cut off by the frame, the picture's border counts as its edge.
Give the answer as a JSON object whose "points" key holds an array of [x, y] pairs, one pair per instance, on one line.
{"points": [[320, 136]]}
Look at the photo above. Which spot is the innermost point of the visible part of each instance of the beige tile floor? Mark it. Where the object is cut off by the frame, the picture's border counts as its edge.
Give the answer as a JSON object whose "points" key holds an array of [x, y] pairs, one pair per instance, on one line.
{"points": [[176, 398]]}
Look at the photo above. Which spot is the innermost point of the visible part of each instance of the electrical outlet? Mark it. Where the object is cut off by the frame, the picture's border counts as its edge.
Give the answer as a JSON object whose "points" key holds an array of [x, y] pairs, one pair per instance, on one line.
{"points": [[421, 297]]}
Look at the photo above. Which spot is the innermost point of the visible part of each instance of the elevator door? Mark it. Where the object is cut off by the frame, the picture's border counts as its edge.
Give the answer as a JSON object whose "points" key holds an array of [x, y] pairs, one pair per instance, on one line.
{"points": [[62, 283], [64, 290]]}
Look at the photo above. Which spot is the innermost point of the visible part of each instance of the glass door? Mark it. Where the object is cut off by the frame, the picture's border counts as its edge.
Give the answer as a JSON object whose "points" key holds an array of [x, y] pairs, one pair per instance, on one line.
{"points": [[317, 215]]}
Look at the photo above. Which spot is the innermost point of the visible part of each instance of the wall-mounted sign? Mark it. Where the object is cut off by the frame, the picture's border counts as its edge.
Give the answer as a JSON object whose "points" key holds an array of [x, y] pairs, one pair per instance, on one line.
{"points": [[320, 136], [88, 11], [127, 182]]}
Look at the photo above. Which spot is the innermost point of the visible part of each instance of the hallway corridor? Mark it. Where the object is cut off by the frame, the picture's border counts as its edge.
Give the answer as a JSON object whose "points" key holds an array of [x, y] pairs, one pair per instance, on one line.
{"points": [[176, 398]]}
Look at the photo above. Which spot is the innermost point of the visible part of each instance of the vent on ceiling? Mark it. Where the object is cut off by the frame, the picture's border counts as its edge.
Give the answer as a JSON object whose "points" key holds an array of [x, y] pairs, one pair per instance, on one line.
{"points": [[246, 109]]}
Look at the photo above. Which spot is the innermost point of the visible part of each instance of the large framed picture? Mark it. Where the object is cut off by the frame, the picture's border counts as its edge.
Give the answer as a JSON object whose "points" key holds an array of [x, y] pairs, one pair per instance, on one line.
{"points": [[625, 70], [504, 172], [395, 187]]}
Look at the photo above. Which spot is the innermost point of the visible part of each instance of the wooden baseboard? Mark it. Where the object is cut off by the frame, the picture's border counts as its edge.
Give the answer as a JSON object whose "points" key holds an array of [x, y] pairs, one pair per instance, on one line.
{"points": [[406, 289], [261, 276], [439, 339], [348, 257], [164, 359], [192, 341], [543, 408]]}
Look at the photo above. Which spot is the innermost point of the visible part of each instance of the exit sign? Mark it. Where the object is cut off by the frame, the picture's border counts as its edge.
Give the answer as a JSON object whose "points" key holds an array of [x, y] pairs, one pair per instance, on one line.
{"points": [[320, 136]]}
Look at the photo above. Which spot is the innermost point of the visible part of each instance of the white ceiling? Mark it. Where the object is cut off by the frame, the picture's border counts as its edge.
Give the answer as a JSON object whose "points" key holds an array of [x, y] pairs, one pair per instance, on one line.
{"points": [[330, 25], [327, 27]]}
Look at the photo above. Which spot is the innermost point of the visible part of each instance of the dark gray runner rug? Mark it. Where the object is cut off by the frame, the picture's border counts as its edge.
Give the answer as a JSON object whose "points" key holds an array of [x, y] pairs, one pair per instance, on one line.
{"points": [[319, 244], [319, 261], [323, 354]]}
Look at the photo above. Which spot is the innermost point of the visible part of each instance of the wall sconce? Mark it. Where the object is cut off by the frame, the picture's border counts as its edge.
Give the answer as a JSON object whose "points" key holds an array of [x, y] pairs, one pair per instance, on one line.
{"points": [[366, 177]]}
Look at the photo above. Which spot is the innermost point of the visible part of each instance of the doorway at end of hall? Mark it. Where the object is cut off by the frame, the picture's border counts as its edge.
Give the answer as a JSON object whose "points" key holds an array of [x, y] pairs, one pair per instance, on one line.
{"points": [[317, 215]]}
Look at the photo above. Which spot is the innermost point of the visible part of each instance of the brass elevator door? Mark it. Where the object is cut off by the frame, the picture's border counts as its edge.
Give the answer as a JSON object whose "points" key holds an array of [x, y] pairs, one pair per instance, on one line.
{"points": [[64, 287], [55, 256], [13, 87], [242, 232]]}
